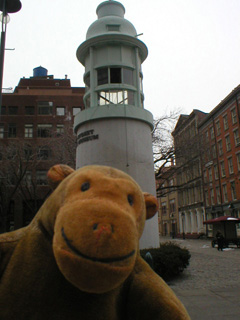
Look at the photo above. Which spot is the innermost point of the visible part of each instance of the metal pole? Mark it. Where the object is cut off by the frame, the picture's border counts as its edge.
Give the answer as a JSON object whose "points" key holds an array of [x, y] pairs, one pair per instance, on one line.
{"points": [[3, 37], [183, 220]]}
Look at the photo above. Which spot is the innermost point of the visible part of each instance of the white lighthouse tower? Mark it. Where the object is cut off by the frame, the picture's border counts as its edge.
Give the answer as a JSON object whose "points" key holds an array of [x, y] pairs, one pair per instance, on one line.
{"points": [[115, 129]]}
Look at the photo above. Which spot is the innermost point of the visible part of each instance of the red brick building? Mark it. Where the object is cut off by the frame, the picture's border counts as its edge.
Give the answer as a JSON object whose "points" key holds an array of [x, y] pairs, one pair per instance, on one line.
{"points": [[168, 218], [220, 142], [188, 171], [207, 149], [36, 131]]}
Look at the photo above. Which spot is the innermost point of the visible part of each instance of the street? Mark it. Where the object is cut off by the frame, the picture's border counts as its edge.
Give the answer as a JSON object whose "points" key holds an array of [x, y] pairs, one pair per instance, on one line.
{"points": [[210, 286]]}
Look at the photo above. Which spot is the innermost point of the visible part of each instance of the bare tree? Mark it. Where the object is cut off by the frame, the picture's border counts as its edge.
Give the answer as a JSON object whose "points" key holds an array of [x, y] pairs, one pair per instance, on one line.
{"points": [[64, 146], [17, 158], [24, 164], [163, 145], [172, 158]]}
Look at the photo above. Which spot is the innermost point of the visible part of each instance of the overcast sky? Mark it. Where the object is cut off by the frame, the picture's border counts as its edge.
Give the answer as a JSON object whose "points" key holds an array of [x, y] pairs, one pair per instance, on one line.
{"points": [[194, 47]]}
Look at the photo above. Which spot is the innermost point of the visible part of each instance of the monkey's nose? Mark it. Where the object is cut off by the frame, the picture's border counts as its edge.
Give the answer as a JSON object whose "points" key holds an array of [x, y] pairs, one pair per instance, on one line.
{"points": [[103, 229]]}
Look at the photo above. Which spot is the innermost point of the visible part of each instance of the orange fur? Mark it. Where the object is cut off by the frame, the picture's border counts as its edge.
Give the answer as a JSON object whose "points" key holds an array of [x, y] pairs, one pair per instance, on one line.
{"points": [[79, 258]]}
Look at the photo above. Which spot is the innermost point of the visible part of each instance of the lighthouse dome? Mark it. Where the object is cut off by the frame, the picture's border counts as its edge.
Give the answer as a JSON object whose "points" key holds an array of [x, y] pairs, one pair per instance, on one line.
{"points": [[111, 21]]}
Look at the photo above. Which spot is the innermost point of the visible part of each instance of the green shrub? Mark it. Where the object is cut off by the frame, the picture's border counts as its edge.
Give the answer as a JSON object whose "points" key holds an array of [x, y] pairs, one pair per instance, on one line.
{"points": [[169, 260]]}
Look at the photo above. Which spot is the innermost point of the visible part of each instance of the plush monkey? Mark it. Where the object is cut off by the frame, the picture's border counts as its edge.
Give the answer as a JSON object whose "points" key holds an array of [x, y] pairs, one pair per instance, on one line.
{"points": [[79, 257]]}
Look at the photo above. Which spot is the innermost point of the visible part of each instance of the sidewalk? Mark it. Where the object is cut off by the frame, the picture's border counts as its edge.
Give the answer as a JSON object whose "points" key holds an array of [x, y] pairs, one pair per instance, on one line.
{"points": [[210, 286], [210, 304]]}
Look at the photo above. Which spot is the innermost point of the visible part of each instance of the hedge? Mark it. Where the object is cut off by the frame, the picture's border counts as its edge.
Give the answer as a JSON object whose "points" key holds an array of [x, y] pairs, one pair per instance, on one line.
{"points": [[169, 260]]}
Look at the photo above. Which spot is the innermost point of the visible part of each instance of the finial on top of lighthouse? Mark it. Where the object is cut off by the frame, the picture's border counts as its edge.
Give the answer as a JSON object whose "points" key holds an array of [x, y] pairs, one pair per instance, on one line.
{"points": [[110, 8]]}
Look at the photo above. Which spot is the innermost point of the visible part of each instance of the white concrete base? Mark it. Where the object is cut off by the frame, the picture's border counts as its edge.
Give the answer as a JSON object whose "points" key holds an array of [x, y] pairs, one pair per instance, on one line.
{"points": [[124, 144]]}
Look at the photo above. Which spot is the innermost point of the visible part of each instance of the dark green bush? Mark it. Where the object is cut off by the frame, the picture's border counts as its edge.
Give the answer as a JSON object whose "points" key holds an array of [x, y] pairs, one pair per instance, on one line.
{"points": [[169, 260]]}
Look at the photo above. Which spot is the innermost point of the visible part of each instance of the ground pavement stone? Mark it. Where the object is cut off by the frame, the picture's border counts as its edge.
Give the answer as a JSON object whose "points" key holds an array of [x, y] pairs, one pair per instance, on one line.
{"points": [[210, 286]]}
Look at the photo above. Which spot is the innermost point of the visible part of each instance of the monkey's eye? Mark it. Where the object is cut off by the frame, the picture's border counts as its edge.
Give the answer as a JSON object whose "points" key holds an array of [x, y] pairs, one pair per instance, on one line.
{"points": [[85, 186], [130, 199]]}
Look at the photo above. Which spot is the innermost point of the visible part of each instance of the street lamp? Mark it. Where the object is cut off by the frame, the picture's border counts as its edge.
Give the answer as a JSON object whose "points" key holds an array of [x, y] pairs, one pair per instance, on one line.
{"points": [[6, 6]]}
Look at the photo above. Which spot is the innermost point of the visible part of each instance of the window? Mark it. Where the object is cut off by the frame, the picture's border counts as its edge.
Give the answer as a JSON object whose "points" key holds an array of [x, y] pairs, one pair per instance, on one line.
{"points": [[206, 136], [212, 133], [164, 208], [44, 153], [170, 184], [206, 198], [60, 129], [76, 110], [218, 195], [225, 196], [115, 97], [28, 131], [210, 174], [41, 178], [113, 27], [44, 130], [238, 161], [12, 130], [222, 166], [12, 110], [220, 147], [3, 110], [45, 107], [205, 176], [60, 111], [28, 153], [236, 137], [128, 76], [29, 110], [115, 75], [228, 143], [218, 128], [234, 116], [1, 131], [172, 206], [233, 190], [216, 172], [225, 122], [214, 153], [230, 165], [102, 75], [212, 196], [28, 178]]}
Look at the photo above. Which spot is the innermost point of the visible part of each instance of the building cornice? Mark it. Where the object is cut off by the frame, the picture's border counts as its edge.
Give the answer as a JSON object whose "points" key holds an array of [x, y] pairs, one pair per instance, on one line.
{"points": [[226, 100]]}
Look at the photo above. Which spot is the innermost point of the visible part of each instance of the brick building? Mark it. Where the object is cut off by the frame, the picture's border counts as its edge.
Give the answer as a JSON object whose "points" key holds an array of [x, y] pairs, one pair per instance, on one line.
{"points": [[207, 151], [189, 177], [168, 202], [219, 132], [36, 132]]}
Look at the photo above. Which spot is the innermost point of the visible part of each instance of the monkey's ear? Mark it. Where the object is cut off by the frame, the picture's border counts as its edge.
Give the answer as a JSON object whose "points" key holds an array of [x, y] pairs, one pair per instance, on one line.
{"points": [[151, 205], [58, 173]]}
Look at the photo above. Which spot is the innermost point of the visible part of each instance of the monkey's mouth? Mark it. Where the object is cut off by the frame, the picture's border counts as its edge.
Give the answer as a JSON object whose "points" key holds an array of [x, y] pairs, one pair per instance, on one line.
{"points": [[82, 255]]}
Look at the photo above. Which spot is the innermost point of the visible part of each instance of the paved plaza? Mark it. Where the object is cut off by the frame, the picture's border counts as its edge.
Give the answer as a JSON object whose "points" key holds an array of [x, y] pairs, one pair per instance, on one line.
{"points": [[210, 286]]}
